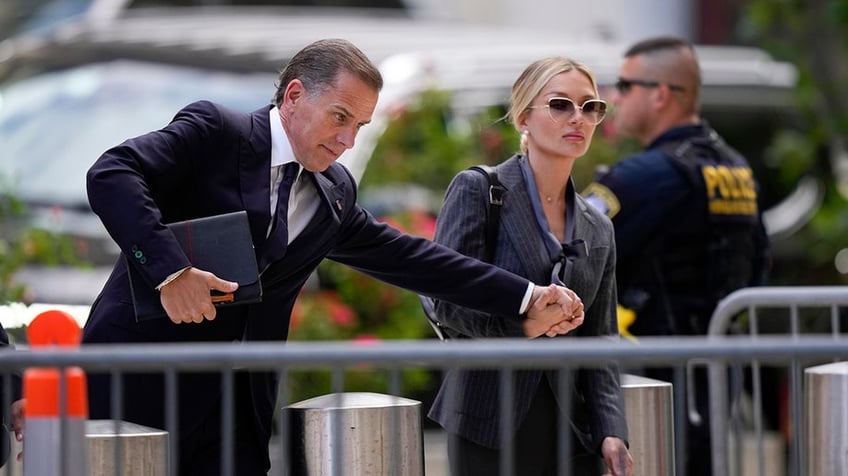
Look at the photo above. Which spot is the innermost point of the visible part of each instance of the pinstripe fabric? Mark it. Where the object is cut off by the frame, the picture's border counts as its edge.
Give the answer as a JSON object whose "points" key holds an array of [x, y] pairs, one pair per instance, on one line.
{"points": [[468, 402]]}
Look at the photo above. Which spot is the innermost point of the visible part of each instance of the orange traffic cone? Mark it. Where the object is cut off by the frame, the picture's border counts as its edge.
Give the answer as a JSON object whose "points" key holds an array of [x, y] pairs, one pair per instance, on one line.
{"points": [[56, 407]]}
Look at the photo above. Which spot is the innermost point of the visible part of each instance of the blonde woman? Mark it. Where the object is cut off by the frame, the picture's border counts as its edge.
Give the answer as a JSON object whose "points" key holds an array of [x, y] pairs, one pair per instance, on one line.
{"points": [[547, 232]]}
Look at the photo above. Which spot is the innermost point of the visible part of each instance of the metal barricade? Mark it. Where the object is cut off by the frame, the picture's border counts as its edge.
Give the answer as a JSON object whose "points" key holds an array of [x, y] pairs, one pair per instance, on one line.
{"points": [[799, 310], [394, 357]]}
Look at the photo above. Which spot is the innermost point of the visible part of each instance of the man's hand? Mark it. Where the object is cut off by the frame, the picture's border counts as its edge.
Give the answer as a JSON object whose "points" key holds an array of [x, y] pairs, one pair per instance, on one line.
{"points": [[618, 459], [187, 298], [554, 310], [17, 414]]}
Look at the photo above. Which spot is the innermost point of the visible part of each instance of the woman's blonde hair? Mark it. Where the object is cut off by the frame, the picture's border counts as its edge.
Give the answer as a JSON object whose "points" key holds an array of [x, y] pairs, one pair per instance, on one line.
{"points": [[533, 80]]}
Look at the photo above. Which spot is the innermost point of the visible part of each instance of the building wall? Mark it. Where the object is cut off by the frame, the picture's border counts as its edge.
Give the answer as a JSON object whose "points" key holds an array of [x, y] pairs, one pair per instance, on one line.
{"points": [[610, 20]]}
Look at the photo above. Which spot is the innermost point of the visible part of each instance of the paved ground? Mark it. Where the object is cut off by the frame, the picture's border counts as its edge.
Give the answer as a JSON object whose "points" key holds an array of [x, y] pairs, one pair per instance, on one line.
{"points": [[435, 453]]}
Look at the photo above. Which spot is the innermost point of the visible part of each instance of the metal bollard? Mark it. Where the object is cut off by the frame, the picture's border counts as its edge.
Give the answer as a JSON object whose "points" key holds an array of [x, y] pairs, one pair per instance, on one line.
{"points": [[355, 434], [141, 450], [650, 423], [826, 419]]}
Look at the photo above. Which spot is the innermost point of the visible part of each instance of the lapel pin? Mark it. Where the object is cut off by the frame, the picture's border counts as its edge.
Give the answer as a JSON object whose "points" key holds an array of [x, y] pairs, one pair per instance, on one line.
{"points": [[339, 205]]}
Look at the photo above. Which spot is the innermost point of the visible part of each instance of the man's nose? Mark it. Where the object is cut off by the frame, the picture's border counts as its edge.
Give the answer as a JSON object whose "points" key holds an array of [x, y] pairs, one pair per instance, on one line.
{"points": [[347, 137]]}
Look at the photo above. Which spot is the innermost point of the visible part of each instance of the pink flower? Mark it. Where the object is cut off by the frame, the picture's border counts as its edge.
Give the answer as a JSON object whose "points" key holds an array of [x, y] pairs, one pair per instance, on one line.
{"points": [[366, 339], [296, 316], [423, 223], [340, 313]]}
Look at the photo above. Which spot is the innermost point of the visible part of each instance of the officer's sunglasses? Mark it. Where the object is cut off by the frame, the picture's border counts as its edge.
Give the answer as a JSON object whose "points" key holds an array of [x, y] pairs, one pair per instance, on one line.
{"points": [[623, 85], [593, 110]]}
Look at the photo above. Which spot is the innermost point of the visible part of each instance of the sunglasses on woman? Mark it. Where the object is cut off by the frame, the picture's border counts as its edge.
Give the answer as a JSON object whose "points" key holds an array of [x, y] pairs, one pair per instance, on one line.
{"points": [[593, 110]]}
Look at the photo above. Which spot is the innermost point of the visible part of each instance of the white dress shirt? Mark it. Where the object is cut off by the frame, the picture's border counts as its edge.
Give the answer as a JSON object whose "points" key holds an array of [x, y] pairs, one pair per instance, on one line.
{"points": [[303, 199]]}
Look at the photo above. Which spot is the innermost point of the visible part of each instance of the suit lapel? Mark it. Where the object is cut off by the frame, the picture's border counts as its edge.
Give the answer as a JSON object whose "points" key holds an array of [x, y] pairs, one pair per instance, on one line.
{"points": [[332, 196], [583, 220], [255, 173]]}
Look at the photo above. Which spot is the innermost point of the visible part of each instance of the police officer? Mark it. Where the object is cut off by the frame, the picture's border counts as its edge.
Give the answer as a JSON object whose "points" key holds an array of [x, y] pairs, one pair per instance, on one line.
{"points": [[688, 228]]}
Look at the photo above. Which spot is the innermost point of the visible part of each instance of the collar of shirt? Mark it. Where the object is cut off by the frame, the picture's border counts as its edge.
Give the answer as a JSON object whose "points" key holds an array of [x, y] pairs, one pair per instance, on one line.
{"points": [[281, 154], [303, 199], [281, 151], [551, 242]]}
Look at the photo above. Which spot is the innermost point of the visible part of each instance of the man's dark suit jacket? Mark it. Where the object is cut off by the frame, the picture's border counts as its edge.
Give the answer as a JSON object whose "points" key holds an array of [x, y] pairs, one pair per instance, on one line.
{"points": [[468, 402], [208, 161], [5, 441]]}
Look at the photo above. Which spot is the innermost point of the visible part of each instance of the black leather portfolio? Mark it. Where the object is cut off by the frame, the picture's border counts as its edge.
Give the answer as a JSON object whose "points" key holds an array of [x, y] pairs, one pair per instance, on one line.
{"points": [[220, 244]]}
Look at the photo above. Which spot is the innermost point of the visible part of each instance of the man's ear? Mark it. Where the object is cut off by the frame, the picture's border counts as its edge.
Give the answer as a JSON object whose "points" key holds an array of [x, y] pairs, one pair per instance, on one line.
{"points": [[295, 90], [663, 95]]}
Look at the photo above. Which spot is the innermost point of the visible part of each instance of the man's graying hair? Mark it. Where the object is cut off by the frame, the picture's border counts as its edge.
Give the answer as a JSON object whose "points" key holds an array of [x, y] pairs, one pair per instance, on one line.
{"points": [[318, 64]]}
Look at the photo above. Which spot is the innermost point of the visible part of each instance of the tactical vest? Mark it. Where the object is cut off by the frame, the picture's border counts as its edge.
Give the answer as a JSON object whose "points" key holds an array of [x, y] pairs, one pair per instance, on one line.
{"points": [[707, 249]]}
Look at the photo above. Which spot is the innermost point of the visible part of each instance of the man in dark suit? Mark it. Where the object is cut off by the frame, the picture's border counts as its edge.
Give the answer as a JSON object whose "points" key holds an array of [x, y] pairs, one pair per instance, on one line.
{"points": [[210, 160], [16, 410]]}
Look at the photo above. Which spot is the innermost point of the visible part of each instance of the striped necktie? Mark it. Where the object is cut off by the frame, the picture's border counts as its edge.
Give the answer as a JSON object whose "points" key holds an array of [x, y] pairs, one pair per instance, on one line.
{"points": [[277, 241]]}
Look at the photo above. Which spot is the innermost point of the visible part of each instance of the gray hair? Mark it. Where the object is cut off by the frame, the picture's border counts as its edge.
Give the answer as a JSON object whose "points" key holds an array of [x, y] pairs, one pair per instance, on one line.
{"points": [[318, 65]]}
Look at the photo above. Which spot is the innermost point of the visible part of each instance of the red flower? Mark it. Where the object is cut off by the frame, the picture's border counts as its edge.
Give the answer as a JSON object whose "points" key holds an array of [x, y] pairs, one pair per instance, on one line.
{"points": [[365, 339], [423, 223], [340, 313], [296, 315]]}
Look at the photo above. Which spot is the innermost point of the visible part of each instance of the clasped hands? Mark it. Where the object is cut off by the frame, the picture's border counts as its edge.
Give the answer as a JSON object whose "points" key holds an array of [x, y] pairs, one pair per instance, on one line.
{"points": [[554, 310]]}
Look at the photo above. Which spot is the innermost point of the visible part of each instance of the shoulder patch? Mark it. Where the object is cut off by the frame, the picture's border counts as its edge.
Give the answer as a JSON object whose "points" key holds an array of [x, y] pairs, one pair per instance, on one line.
{"points": [[602, 198]]}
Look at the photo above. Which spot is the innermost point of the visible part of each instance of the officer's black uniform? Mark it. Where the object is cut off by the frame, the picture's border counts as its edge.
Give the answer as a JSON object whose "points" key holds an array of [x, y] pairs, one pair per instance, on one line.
{"points": [[688, 232]]}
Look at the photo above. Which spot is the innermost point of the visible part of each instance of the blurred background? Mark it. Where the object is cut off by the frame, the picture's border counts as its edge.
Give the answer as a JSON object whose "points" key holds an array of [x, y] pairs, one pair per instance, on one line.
{"points": [[78, 76]]}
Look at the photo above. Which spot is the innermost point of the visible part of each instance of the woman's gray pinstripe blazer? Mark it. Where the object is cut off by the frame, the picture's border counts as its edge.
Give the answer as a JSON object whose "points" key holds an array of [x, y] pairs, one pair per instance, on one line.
{"points": [[467, 403]]}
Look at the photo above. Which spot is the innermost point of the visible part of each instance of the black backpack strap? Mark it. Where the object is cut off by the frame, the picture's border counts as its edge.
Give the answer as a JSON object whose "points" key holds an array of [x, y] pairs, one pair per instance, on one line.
{"points": [[495, 202], [496, 191]]}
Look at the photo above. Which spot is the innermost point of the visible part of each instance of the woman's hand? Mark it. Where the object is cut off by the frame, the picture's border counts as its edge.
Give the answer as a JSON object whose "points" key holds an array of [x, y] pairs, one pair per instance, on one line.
{"points": [[617, 457]]}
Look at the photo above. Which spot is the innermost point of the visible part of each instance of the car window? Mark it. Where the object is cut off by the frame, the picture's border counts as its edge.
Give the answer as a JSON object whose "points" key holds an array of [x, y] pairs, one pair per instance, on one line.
{"points": [[54, 125]]}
